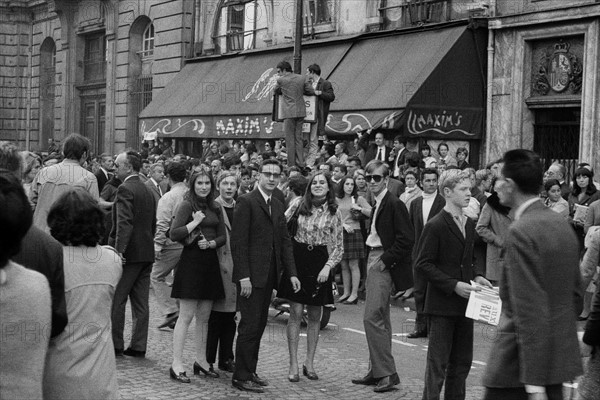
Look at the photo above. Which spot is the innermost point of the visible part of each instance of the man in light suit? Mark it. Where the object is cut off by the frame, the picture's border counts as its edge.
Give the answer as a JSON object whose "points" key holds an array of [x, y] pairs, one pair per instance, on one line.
{"points": [[445, 259], [157, 174], [259, 262], [536, 349], [374, 151], [132, 235], [390, 242], [292, 87], [324, 92], [422, 209]]}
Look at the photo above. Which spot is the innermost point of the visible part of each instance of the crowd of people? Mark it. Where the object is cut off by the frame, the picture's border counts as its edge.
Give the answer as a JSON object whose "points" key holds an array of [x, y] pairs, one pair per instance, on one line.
{"points": [[393, 223]]}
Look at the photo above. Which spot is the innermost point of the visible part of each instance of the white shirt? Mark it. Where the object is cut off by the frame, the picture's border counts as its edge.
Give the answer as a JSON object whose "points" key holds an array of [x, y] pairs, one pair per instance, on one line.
{"points": [[427, 204], [105, 172], [315, 82], [374, 240], [396, 166], [383, 155], [157, 185]]}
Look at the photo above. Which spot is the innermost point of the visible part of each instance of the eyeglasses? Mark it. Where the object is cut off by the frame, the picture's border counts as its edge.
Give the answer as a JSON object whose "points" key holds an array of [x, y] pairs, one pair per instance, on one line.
{"points": [[376, 178], [270, 175]]}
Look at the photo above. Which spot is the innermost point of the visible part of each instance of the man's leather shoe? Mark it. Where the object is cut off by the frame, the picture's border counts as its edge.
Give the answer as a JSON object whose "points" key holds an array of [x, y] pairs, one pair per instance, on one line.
{"points": [[247, 386], [228, 366], [367, 380], [134, 353], [387, 383], [259, 381], [417, 334]]}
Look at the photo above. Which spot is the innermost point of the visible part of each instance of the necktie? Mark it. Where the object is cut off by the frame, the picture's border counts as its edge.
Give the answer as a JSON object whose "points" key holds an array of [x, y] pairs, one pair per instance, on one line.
{"points": [[159, 191], [269, 205], [458, 220], [379, 155]]}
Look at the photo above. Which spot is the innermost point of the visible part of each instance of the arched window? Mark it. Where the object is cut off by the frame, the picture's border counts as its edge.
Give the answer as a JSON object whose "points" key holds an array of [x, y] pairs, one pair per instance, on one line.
{"points": [[148, 41]]}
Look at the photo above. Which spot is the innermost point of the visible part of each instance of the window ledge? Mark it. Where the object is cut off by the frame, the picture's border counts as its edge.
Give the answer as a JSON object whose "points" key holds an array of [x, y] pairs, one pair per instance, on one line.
{"points": [[325, 27]]}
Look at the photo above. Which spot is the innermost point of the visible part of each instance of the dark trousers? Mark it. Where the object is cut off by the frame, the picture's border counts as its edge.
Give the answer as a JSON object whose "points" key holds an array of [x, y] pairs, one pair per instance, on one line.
{"points": [[420, 288], [254, 311], [294, 141], [554, 392], [135, 285], [449, 356], [221, 331]]}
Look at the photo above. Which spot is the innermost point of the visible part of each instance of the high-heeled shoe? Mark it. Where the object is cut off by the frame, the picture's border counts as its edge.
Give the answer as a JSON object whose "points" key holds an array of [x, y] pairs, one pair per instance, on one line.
{"points": [[355, 301], [294, 377], [343, 298], [210, 373], [310, 375], [181, 377]]}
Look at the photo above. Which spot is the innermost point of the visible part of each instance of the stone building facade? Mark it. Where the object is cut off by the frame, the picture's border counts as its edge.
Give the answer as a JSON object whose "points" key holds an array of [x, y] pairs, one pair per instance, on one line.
{"points": [[545, 80]]}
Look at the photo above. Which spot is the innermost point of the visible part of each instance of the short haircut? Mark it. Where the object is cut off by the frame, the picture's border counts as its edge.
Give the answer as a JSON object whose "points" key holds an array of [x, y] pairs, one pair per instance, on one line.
{"points": [[250, 148], [284, 66], [413, 173], [154, 166], [329, 148], [413, 159], [342, 145], [10, 158], [462, 150], [354, 159], [228, 162], [376, 164], [326, 164], [342, 168], [145, 161], [481, 175], [104, 156], [75, 145], [400, 139], [525, 169], [134, 160], [246, 172], [75, 219], [450, 178], [227, 174], [314, 69], [429, 171], [561, 168], [270, 161], [442, 144], [551, 182], [223, 149], [297, 184], [15, 216], [177, 171]]}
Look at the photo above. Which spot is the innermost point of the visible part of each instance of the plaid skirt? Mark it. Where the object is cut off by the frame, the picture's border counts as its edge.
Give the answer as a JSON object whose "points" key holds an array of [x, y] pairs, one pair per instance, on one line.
{"points": [[354, 245]]}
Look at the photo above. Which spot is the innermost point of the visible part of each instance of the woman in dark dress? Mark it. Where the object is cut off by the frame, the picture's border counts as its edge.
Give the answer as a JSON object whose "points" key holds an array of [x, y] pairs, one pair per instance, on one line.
{"points": [[583, 194], [199, 225], [319, 226]]}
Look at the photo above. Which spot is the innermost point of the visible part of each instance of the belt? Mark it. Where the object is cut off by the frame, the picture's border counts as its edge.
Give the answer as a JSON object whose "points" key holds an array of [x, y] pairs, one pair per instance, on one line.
{"points": [[375, 248]]}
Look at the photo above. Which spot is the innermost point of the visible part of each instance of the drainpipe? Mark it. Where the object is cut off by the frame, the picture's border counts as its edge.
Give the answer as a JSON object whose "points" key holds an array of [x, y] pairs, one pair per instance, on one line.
{"points": [[29, 84], [490, 79]]}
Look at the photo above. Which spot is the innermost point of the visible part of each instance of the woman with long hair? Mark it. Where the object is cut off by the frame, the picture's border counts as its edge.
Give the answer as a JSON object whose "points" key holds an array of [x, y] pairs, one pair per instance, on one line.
{"points": [[353, 208], [362, 189], [583, 194], [78, 367], [199, 225], [319, 227]]}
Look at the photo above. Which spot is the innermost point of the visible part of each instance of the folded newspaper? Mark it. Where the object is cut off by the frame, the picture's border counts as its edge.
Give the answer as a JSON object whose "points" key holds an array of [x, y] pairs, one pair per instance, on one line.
{"points": [[484, 305]]}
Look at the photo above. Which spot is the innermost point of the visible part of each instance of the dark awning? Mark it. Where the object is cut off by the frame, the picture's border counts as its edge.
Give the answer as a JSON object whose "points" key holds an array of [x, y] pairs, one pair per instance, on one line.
{"points": [[424, 83], [227, 96]]}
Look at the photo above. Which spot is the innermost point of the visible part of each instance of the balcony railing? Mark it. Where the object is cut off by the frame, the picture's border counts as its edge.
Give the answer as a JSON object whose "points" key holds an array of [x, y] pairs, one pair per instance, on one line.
{"points": [[415, 13]]}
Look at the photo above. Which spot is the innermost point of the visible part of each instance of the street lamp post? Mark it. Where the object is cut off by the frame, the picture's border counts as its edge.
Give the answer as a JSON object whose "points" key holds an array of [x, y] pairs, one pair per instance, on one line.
{"points": [[298, 39]]}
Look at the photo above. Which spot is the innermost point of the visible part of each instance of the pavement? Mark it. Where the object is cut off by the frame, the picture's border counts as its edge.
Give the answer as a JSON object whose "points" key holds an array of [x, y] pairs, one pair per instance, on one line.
{"points": [[342, 355]]}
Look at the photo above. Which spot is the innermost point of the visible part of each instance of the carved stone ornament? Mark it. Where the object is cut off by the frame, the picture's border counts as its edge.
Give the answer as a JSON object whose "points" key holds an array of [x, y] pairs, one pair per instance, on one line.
{"points": [[558, 71]]}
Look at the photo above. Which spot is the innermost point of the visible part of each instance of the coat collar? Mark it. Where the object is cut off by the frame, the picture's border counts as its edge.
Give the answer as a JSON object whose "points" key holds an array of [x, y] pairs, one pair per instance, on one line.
{"points": [[453, 227]]}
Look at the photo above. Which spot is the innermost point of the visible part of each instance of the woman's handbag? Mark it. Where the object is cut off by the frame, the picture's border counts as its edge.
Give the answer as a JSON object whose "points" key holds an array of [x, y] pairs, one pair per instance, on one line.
{"points": [[292, 224]]}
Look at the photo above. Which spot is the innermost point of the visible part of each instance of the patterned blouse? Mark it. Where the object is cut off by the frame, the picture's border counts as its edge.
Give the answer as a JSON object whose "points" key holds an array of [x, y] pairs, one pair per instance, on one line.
{"points": [[320, 229]]}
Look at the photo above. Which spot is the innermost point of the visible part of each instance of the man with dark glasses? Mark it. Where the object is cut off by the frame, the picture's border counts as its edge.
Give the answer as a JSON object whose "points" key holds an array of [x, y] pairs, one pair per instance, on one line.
{"points": [[390, 243]]}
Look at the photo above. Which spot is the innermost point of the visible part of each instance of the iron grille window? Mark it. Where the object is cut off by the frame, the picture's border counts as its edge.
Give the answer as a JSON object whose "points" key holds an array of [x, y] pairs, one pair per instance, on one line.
{"points": [[144, 91], [319, 11], [237, 23], [406, 13], [94, 61]]}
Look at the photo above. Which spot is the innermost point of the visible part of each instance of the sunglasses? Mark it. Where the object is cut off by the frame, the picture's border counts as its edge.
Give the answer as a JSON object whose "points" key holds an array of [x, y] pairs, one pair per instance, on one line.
{"points": [[375, 178]]}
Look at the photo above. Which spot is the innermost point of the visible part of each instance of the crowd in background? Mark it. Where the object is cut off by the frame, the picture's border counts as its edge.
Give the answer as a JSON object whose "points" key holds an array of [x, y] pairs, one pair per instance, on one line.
{"points": [[79, 206]]}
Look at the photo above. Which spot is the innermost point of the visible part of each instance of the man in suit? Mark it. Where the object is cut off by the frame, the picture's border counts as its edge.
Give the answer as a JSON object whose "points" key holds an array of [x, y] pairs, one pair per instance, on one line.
{"points": [[374, 151], [390, 243], [445, 258], [397, 157], [422, 209], [259, 262], [558, 171], [157, 174], [324, 92], [105, 171], [292, 87], [132, 235], [536, 349]]}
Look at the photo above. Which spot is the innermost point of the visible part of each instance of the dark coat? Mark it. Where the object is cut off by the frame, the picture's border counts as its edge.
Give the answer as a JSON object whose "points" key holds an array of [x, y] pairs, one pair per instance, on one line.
{"points": [[540, 290], [134, 222], [102, 179], [42, 253], [153, 189], [444, 258], [323, 101], [397, 238], [255, 235], [371, 149]]}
